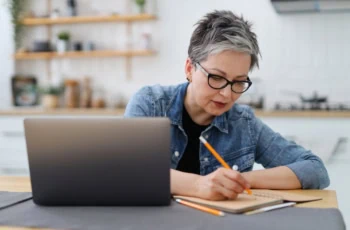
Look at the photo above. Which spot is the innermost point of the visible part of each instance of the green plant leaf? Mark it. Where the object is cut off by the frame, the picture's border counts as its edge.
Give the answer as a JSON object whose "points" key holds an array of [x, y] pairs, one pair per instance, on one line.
{"points": [[64, 35], [16, 8], [51, 90], [140, 2]]}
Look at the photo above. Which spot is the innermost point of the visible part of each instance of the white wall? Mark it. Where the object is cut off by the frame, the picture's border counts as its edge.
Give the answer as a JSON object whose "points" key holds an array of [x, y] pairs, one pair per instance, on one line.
{"points": [[301, 52], [6, 49]]}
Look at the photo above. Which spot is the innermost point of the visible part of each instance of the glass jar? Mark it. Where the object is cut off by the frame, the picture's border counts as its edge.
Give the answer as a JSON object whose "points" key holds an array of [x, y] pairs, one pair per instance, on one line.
{"points": [[71, 93]]}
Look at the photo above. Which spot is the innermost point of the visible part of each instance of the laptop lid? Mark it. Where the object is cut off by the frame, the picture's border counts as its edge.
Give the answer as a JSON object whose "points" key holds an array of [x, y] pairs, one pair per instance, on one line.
{"points": [[99, 161]]}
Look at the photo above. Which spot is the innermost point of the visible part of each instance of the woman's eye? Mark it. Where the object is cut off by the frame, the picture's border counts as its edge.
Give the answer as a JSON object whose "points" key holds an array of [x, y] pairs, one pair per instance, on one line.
{"points": [[216, 78]]}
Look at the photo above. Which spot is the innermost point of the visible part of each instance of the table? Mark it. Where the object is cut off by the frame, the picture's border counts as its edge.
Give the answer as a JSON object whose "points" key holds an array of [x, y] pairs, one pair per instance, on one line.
{"points": [[22, 184]]}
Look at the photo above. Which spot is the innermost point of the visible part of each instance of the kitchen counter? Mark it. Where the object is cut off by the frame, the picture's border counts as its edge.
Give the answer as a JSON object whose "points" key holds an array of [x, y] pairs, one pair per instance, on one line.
{"points": [[119, 112], [59, 111], [303, 114]]}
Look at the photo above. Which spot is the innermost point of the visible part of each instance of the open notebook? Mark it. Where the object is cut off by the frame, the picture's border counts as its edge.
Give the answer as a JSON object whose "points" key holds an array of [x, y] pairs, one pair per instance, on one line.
{"points": [[244, 202]]}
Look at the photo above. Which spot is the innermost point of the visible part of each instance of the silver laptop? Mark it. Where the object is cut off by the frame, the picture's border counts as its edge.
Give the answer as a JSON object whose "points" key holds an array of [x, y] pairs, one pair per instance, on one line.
{"points": [[99, 161]]}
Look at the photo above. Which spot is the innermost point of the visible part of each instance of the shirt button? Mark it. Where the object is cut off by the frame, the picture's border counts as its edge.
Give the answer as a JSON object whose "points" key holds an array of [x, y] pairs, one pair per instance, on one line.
{"points": [[177, 153], [206, 159]]}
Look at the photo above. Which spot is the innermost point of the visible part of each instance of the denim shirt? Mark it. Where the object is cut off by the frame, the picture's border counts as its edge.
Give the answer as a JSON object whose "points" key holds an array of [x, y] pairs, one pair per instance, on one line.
{"points": [[237, 135]]}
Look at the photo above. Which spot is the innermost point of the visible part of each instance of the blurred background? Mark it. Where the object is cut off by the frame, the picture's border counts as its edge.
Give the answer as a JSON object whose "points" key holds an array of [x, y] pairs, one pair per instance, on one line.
{"points": [[87, 58]]}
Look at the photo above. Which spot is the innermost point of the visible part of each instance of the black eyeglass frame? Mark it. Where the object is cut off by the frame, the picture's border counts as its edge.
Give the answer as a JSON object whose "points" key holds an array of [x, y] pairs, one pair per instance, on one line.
{"points": [[231, 83]]}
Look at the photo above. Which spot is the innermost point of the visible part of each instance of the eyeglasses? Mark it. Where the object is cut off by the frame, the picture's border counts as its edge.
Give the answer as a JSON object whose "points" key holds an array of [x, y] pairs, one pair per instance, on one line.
{"points": [[219, 82]]}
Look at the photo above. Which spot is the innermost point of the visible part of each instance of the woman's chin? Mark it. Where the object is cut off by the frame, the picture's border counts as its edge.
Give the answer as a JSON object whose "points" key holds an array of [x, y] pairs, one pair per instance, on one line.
{"points": [[217, 112]]}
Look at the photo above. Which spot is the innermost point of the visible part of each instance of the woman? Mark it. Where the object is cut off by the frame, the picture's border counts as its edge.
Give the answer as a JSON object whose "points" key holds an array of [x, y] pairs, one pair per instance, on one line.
{"points": [[222, 51]]}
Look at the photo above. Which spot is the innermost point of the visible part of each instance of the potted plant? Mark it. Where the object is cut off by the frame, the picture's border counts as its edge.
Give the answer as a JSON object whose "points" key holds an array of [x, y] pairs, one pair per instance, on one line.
{"points": [[141, 5], [17, 8], [63, 41], [50, 96]]}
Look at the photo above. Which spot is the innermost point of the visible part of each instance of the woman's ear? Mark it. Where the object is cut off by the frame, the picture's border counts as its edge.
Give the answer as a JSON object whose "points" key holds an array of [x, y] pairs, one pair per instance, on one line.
{"points": [[189, 69]]}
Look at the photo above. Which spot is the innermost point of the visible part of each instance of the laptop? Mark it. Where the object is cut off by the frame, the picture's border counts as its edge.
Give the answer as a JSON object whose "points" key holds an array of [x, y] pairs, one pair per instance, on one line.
{"points": [[99, 161]]}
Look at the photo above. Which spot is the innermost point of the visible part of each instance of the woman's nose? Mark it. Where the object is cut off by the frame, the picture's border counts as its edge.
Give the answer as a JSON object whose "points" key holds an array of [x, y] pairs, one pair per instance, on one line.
{"points": [[226, 92]]}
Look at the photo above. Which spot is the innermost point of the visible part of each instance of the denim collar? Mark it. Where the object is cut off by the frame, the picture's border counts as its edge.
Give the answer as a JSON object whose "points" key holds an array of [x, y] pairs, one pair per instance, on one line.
{"points": [[174, 110]]}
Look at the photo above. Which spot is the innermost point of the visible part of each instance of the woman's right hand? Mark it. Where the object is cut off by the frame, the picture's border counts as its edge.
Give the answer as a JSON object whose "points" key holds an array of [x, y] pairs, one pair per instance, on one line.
{"points": [[221, 184]]}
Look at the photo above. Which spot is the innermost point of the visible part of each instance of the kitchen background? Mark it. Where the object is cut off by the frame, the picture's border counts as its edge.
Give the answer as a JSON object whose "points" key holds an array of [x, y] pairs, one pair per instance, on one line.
{"points": [[301, 53], [304, 56]]}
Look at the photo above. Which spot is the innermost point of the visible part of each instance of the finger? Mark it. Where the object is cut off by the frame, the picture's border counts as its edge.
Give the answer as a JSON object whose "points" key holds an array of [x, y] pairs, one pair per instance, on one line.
{"points": [[230, 184], [237, 177], [229, 194]]}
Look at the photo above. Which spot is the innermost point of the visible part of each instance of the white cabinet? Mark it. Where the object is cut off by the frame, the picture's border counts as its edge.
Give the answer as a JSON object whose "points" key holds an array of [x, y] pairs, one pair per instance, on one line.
{"points": [[13, 151], [13, 154], [338, 172]]}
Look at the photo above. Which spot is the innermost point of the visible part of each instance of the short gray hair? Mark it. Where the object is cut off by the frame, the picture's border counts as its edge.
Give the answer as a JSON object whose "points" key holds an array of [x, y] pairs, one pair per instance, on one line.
{"points": [[220, 31]]}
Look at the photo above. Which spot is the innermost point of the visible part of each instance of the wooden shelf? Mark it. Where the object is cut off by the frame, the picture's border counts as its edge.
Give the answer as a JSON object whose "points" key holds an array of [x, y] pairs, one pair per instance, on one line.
{"points": [[87, 19], [61, 111], [83, 54], [50, 22]]}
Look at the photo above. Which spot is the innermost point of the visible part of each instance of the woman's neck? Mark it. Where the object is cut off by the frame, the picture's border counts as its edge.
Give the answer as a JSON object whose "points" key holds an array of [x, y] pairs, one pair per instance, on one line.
{"points": [[197, 114]]}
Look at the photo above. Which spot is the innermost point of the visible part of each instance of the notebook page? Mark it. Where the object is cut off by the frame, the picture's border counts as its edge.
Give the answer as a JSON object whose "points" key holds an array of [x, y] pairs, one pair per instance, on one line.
{"points": [[242, 203], [286, 196]]}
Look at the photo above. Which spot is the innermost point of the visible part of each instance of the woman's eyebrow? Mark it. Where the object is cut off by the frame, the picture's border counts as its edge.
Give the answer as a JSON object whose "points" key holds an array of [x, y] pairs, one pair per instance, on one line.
{"points": [[242, 76], [224, 73], [218, 70]]}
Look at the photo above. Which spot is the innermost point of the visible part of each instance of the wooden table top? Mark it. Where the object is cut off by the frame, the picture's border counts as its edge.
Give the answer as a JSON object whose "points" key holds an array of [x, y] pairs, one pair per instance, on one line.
{"points": [[22, 184]]}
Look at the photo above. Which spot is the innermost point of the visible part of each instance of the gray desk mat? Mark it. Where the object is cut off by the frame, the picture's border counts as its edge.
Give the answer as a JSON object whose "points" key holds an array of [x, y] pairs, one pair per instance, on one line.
{"points": [[176, 216], [8, 199]]}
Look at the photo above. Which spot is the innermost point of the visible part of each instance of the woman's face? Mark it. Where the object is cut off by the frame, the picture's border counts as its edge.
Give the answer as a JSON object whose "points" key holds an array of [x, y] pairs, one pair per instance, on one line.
{"points": [[229, 64]]}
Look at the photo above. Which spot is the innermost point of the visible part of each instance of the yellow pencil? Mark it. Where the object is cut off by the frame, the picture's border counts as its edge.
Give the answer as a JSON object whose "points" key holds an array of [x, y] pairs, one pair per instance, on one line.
{"points": [[219, 158], [201, 208]]}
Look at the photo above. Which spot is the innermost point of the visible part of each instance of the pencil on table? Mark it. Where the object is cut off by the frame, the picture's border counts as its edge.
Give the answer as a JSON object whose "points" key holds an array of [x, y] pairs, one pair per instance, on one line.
{"points": [[201, 208], [219, 158]]}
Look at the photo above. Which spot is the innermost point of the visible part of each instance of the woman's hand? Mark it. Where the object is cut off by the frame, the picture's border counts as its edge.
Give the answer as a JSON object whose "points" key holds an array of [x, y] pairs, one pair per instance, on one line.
{"points": [[220, 185]]}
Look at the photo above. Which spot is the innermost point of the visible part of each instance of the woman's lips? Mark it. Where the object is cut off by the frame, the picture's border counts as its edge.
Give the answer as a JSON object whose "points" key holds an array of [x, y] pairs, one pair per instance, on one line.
{"points": [[219, 104]]}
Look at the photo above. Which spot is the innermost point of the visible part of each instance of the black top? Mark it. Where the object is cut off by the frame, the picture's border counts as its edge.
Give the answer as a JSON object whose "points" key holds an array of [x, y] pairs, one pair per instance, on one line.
{"points": [[189, 161]]}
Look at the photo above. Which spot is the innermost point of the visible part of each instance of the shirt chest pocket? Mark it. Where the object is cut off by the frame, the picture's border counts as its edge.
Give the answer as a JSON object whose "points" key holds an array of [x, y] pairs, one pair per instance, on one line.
{"points": [[243, 158]]}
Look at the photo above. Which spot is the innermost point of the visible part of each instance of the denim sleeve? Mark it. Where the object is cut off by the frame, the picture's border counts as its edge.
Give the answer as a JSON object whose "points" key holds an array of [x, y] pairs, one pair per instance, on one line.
{"points": [[273, 150], [140, 105]]}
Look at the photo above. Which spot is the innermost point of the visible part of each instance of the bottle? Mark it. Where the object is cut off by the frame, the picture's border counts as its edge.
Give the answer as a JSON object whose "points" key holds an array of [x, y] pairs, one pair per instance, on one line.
{"points": [[146, 41], [71, 94], [86, 95], [72, 8], [98, 100]]}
